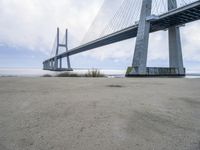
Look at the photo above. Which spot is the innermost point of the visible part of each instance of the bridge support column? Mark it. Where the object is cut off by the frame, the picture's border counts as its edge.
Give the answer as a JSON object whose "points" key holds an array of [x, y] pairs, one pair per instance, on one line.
{"points": [[140, 56], [55, 63], [52, 64], [49, 65], [60, 63], [44, 65], [141, 48], [69, 64], [175, 50], [57, 49], [66, 46]]}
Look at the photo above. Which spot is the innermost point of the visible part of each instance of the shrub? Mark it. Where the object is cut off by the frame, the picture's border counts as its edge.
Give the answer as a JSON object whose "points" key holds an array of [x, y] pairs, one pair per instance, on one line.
{"points": [[94, 73], [91, 73], [67, 74]]}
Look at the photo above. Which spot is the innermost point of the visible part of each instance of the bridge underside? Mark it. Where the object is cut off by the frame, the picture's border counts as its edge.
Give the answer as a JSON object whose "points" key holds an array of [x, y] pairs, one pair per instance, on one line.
{"points": [[175, 17]]}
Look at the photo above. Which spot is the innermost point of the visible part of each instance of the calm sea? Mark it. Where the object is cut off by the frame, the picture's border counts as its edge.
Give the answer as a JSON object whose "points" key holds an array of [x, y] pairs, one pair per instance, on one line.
{"points": [[32, 72]]}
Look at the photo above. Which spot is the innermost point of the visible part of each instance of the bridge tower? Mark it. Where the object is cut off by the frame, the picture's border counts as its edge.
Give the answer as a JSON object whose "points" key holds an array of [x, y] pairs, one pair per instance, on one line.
{"points": [[175, 50], [52, 64], [139, 65]]}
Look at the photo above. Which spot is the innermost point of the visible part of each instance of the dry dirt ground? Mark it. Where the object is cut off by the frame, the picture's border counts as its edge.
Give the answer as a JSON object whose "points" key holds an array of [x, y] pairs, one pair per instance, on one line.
{"points": [[99, 114]]}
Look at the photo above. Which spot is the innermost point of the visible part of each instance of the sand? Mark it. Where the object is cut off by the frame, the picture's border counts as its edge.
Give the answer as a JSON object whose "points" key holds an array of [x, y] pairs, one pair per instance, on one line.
{"points": [[99, 114]]}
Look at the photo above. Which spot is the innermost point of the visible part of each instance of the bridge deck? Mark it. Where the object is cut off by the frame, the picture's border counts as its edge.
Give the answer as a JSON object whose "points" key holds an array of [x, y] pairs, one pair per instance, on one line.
{"points": [[174, 17]]}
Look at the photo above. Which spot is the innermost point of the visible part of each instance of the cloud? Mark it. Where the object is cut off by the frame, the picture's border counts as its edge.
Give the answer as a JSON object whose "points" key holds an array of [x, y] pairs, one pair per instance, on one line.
{"points": [[191, 41], [32, 23]]}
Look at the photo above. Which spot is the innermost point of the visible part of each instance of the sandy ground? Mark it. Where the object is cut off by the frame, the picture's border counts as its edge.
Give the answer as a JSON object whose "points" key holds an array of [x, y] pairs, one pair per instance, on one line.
{"points": [[99, 114]]}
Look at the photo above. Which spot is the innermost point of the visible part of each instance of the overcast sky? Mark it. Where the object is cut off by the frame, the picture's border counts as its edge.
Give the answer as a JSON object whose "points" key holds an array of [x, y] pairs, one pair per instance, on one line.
{"points": [[28, 27]]}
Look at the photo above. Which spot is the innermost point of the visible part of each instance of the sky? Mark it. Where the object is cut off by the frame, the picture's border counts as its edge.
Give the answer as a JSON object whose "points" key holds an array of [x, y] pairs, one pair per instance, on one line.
{"points": [[28, 29]]}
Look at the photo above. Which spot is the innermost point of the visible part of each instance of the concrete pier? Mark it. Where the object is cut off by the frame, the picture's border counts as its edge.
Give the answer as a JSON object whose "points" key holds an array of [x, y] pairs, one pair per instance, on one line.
{"points": [[175, 49], [139, 65], [141, 47]]}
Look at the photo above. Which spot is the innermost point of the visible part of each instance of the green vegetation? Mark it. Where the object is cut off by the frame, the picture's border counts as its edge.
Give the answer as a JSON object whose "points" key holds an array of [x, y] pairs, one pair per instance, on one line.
{"points": [[94, 73], [129, 70], [67, 74]]}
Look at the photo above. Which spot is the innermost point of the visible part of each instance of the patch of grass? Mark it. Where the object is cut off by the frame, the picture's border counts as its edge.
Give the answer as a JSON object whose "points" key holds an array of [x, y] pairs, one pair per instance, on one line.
{"points": [[91, 73], [94, 73], [67, 74]]}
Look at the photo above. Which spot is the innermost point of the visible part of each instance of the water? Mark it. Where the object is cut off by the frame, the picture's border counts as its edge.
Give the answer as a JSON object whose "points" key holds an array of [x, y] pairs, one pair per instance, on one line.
{"points": [[23, 72], [35, 72]]}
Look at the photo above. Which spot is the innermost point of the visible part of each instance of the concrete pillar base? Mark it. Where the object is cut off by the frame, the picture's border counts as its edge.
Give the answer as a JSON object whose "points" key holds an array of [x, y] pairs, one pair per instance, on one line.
{"points": [[63, 69], [155, 71]]}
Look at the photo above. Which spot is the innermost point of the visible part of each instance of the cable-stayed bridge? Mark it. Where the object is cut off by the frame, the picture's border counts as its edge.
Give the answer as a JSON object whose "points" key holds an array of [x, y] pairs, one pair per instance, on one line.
{"points": [[136, 18]]}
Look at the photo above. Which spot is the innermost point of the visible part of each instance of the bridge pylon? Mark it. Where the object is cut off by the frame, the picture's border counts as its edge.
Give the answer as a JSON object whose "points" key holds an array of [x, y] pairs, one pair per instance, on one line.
{"points": [[55, 64], [139, 65], [175, 49]]}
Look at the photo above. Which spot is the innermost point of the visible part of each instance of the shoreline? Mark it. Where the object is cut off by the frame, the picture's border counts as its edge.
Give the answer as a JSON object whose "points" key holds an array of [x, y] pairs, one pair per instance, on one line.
{"points": [[188, 76], [25, 72]]}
